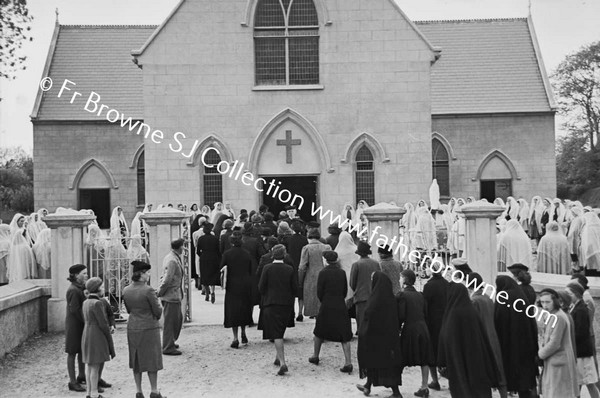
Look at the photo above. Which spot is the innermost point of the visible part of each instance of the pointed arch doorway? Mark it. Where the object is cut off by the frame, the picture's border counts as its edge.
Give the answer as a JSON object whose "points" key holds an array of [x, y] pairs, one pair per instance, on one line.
{"points": [[300, 186]]}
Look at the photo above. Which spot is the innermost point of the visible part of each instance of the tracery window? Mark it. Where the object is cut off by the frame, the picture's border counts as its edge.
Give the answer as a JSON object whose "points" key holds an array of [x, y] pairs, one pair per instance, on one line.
{"points": [[286, 43]]}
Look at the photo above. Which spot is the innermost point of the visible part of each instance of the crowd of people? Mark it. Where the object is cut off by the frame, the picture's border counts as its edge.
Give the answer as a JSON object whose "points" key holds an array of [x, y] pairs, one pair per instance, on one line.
{"points": [[447, 330]]}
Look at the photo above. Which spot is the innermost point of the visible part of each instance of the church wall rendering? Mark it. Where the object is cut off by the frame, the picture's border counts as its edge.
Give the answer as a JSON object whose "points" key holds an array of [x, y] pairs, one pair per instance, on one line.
{"points": [[374, 78], [361, 76]]}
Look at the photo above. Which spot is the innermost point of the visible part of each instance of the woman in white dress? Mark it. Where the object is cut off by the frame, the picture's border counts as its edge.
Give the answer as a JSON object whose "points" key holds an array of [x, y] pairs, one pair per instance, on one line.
{"points": [[346, 256], [21, 261], [41, 251], [523, 215], [590, 241], [138, 227], [513, 247], [554, 256], [117, 222]]}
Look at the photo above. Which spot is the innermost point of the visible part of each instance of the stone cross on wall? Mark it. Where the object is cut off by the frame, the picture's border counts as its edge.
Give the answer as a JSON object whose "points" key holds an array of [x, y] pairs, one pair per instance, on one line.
{"points": [[288, 142]]}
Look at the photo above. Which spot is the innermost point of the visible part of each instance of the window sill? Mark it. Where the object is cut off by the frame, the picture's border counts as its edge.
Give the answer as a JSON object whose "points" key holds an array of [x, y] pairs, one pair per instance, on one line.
{"points": [[289, 88]]}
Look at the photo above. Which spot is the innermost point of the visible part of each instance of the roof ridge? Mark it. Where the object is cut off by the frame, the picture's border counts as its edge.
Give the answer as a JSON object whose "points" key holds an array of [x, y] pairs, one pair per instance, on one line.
{"points": [[431, 21], [107, 26]]}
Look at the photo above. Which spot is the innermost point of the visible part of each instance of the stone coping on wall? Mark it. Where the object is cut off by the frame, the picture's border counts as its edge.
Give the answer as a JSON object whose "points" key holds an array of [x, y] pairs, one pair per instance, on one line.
{"points": [[164, 216], [20, 292], [540, 280]]}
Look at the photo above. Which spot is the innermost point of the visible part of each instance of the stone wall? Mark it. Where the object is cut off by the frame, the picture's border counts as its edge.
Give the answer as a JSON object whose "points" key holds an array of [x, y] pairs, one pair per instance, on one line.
{"points": [[527, 140], [23, 312], [60, 149], [375, 78]]}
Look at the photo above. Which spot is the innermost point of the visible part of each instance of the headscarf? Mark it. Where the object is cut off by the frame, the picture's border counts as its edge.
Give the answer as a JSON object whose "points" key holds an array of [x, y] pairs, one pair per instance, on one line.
{"points": [[21, 261], [465, 348], [379, 332], [553, 251], [514, 246], [590, 240], [347, 256], [136, 251], [41, 248], [14, 226]]}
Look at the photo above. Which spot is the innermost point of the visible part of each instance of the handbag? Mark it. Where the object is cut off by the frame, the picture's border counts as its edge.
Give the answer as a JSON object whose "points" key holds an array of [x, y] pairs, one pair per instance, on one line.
{"points": [[223, 277]]}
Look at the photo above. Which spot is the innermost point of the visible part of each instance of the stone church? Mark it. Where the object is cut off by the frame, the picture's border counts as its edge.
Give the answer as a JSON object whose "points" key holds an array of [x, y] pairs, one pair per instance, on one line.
{"points": [[336, 101]]}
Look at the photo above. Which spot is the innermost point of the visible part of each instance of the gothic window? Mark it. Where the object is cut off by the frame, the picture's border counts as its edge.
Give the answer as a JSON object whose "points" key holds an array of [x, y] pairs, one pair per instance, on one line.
{"points": [[365, 176], [141, 183], [286, 43], [212, 180], [441, 166]]}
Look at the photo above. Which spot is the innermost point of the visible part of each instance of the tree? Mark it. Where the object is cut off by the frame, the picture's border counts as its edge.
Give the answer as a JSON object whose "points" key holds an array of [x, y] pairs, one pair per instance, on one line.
{"points": [[15, 22], [16, 180], [577, 168], [576, 83]]}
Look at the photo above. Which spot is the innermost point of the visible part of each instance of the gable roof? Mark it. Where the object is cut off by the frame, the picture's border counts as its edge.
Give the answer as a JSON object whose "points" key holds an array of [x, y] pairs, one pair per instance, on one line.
{"points": [[487, 66], [96, 58]]}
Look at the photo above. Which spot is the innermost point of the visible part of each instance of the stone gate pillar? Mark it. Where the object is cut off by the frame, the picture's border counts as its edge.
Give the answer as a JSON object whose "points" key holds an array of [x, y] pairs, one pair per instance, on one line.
{"points": [[68, 233], [481, 238], [384, 226], [165, 226]]}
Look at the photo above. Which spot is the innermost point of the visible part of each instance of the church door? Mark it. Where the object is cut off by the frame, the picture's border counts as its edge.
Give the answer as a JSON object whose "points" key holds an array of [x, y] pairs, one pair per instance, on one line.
{"points": [[493, 189], [304, 186], [97, 200]]}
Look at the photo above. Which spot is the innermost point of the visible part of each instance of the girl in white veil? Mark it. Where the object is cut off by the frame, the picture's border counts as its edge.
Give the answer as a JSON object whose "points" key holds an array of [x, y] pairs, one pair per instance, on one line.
{"points": [[229, 210], [136, 251], [95, 246], [18, 222], [360, 219], [554, 256], [4, 250], [535, 218], [409, 223], [512, 208], [425, 237], [347, 256], [138, 227], [590, 241], [346, 215], [33, 228], [41, 251], [117, 222], [513, 247], [216, 213], [21, 262], [523, 216]]}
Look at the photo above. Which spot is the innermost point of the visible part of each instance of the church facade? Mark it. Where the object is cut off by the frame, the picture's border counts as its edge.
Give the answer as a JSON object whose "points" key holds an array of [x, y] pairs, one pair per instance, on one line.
{"points": [[332, 101]]}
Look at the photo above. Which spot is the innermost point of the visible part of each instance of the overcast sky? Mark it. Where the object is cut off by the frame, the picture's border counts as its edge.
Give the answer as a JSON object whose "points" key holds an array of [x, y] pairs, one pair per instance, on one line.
{"points": [[562, 27]]}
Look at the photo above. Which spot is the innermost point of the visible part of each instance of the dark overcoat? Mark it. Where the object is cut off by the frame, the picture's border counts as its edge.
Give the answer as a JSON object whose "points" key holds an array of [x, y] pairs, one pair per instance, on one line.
{"points": [[74, 322], [210, 259], [414, 339], [435, 293], [238, 289], [333, 322]]}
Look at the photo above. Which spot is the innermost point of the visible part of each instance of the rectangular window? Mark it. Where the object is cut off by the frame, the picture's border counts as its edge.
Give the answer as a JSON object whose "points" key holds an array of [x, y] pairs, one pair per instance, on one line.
{"points": [[270, 60], [304, 60], [365, 185]]}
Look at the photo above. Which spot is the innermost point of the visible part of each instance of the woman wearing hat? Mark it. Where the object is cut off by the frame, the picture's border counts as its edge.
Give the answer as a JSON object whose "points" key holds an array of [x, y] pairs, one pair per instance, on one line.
{"points": [[96, 343], [414, 340], [311, 263], [74, 325], [143, 329], [390, 267], [277, 285], [333, 322]]}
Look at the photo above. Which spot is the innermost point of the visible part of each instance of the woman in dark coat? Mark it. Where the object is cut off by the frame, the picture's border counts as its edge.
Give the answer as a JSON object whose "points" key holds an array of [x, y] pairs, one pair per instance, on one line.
{"points": [[210, 259], [379, 353], [74, 325], [294, 244], [414, 340], [333, 322], [96, 343], [194, 226], [238, 289], [518, 338], [464, 348], [254, 247], [435, 292], [143, 329]]}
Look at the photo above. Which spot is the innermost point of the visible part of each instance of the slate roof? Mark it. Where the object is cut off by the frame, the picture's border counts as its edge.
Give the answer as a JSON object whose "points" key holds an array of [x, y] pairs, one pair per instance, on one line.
{"points": [[96, 58], [487, 66]]}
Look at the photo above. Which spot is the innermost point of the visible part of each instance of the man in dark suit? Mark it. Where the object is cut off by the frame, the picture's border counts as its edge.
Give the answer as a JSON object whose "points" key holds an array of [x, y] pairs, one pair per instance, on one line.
{"points": [[170, 293], [278, 286]]}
